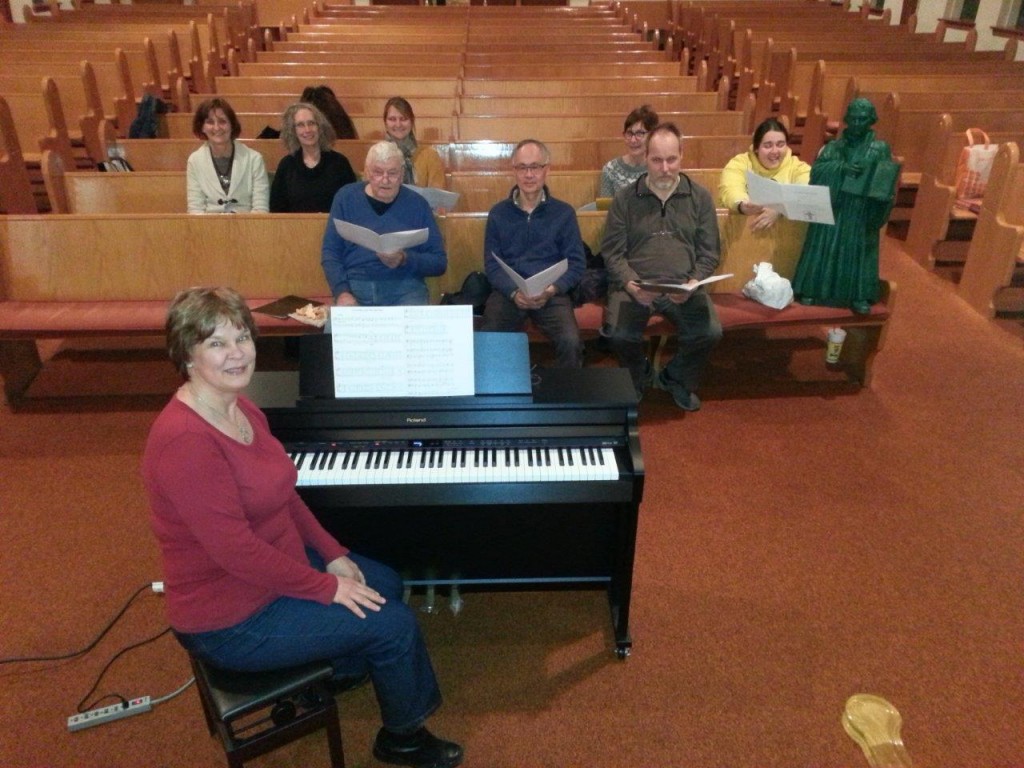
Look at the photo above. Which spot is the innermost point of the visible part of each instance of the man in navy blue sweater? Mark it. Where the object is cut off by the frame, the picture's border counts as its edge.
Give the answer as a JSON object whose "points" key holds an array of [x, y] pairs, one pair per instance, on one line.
{"points": [[531, 231]]}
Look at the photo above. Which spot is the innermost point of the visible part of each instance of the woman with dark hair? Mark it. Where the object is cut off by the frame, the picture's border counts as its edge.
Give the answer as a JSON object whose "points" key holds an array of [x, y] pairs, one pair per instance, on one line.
{"points": [[423, 166], [323, 98], [224, 175], [621, 171], [252, 580], [309, 175], [770, 157]]}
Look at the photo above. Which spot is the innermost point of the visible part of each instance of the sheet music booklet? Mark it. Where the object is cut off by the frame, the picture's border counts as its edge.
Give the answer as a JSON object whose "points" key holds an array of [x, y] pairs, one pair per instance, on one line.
{"points": [[535, 284], [391, 242], [420, 351]]}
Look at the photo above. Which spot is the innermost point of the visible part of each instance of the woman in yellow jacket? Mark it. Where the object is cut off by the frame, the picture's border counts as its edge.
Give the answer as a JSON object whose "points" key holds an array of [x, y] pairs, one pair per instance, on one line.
{"points": [[423, 166], [770, 157]]}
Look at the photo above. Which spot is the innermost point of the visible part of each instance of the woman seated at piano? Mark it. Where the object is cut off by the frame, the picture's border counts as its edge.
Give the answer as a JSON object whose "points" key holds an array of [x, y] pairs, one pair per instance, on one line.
{"points": [[224, 175], [253, 582], [307, 177], [421, 165]]}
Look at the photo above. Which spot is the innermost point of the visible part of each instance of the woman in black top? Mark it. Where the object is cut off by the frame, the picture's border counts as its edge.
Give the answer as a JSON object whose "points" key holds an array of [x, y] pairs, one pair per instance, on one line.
{"points": [[307, 178]]}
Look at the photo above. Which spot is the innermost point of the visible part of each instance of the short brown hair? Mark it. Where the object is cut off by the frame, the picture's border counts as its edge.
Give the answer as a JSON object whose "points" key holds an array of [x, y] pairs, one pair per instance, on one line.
{"points": [[644, 115], [194, 315], [670, 128], [203, 111]]}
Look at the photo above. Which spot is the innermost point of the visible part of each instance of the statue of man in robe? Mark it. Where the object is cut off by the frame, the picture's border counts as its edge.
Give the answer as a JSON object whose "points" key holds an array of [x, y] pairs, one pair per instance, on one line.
{"points": [[839, 263]]}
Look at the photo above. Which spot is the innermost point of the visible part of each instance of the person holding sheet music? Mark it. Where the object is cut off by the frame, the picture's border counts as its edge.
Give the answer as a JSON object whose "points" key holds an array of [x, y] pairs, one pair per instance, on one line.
{"points": [[224, 175], [663, 227], [308, 177], [777, 238], [621, 171], [253, 581], [531, 231], [770, 157], [356, 274], [422, 165]]}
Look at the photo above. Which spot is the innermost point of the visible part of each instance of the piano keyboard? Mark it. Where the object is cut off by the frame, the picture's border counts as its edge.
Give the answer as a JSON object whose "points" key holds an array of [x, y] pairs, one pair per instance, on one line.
{"points": [[483, 465]]}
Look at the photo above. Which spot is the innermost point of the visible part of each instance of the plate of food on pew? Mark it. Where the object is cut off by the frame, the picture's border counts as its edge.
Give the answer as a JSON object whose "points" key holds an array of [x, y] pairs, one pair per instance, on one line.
{"points": [[671, 286], [297, 308], [311, 314]]}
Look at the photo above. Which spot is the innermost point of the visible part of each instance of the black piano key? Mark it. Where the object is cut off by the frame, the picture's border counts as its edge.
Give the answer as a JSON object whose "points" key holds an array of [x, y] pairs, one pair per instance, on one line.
{"points": [[330, 464], [300, 459]]}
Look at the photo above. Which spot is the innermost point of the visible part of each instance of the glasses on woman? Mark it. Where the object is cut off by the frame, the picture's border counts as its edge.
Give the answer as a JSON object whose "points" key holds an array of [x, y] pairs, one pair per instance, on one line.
{"points": [[635, 134], [379, 174]]}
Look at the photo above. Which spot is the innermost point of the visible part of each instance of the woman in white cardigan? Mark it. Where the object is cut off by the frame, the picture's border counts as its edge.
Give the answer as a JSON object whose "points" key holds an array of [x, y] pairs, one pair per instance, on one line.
{"points": [[224, 175]]}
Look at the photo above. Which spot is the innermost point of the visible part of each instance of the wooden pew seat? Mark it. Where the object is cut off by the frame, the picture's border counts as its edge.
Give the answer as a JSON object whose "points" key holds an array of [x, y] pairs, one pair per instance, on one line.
{"points": [[96, 288]]}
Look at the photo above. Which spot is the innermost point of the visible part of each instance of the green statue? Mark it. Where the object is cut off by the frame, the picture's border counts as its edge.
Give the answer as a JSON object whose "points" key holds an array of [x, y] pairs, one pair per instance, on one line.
{"points": [[839, 263]]}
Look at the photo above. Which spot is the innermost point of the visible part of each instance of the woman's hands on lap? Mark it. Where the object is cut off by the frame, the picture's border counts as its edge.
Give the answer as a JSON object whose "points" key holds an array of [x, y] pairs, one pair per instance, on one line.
{"points": [[352, 591]]}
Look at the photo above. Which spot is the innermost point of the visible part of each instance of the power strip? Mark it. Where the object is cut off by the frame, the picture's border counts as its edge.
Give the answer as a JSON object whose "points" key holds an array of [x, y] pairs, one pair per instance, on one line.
{"points": [[109, 714]]}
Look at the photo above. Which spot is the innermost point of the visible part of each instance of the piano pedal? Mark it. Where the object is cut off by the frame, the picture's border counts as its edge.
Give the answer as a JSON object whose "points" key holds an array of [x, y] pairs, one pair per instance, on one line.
{"points": [[430, 600], [455, 600]]}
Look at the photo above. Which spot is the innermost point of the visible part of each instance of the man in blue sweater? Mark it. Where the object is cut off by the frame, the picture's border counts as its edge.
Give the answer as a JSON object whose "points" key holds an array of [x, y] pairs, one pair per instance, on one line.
{"points": [[531, 231], [357, 275]]}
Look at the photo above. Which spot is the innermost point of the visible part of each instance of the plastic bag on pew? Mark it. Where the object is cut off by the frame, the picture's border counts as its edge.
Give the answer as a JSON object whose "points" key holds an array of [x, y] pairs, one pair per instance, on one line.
{"points": [[768, 287]]}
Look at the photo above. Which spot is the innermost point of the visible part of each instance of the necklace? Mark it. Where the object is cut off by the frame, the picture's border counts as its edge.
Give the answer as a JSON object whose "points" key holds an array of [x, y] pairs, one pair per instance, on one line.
{"points": [[243, 428]]}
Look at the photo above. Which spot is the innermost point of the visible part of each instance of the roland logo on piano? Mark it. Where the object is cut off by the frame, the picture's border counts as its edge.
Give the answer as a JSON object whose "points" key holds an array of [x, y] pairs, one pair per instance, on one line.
{"points": [[415, 419]]}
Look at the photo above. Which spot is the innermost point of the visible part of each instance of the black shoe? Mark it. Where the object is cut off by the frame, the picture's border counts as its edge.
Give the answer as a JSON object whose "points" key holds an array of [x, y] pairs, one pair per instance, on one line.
{"points": [[420, 749], [681, 396]]}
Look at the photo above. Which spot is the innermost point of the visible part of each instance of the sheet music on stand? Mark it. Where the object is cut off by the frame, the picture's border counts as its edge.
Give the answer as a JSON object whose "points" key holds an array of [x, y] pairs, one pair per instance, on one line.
{"points": [[421, 351]]}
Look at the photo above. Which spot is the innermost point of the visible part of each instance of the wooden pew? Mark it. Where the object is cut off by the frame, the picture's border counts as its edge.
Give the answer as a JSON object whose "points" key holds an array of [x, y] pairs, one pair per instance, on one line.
{"points": [[410, 87], [554, 127], [16, 194], [939, 229], [75, 276], [623, 103], [814, 76], [577, 85], [571, 154], [904, 128], [587, 154], [172, 154], [96, 192], [464, 238], [429, 128], [440, 70], [154, 55], [40, 124], [997, 248], [557, 70], [424, 106], [80, 275]]}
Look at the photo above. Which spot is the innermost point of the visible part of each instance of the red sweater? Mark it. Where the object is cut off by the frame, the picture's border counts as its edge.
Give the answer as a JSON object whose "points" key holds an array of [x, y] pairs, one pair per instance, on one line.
{"points": [[231, 528]]}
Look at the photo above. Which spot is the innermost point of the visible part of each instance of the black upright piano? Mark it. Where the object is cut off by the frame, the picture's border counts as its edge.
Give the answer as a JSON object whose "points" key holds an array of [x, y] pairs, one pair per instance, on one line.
{"points": [[533, 489]]}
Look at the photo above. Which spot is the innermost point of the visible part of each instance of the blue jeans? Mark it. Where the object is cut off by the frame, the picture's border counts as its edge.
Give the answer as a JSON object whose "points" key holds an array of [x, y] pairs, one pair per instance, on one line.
{"points": [[410, 291], [292, 631], [697, 328], [555, 320]]}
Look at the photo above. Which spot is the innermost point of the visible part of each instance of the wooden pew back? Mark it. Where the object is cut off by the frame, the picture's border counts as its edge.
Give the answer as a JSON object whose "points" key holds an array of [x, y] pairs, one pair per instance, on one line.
{"points": [[150, 257], [997, 247]]}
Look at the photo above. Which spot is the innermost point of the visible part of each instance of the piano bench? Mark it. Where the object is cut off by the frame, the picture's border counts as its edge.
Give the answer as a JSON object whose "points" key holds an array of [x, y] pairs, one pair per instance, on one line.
{"points": [[298, 700]]}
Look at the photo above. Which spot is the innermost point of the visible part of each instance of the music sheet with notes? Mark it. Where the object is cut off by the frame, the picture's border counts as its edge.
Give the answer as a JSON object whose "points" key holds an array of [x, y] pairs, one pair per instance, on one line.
{"points": [[402, 351]]}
